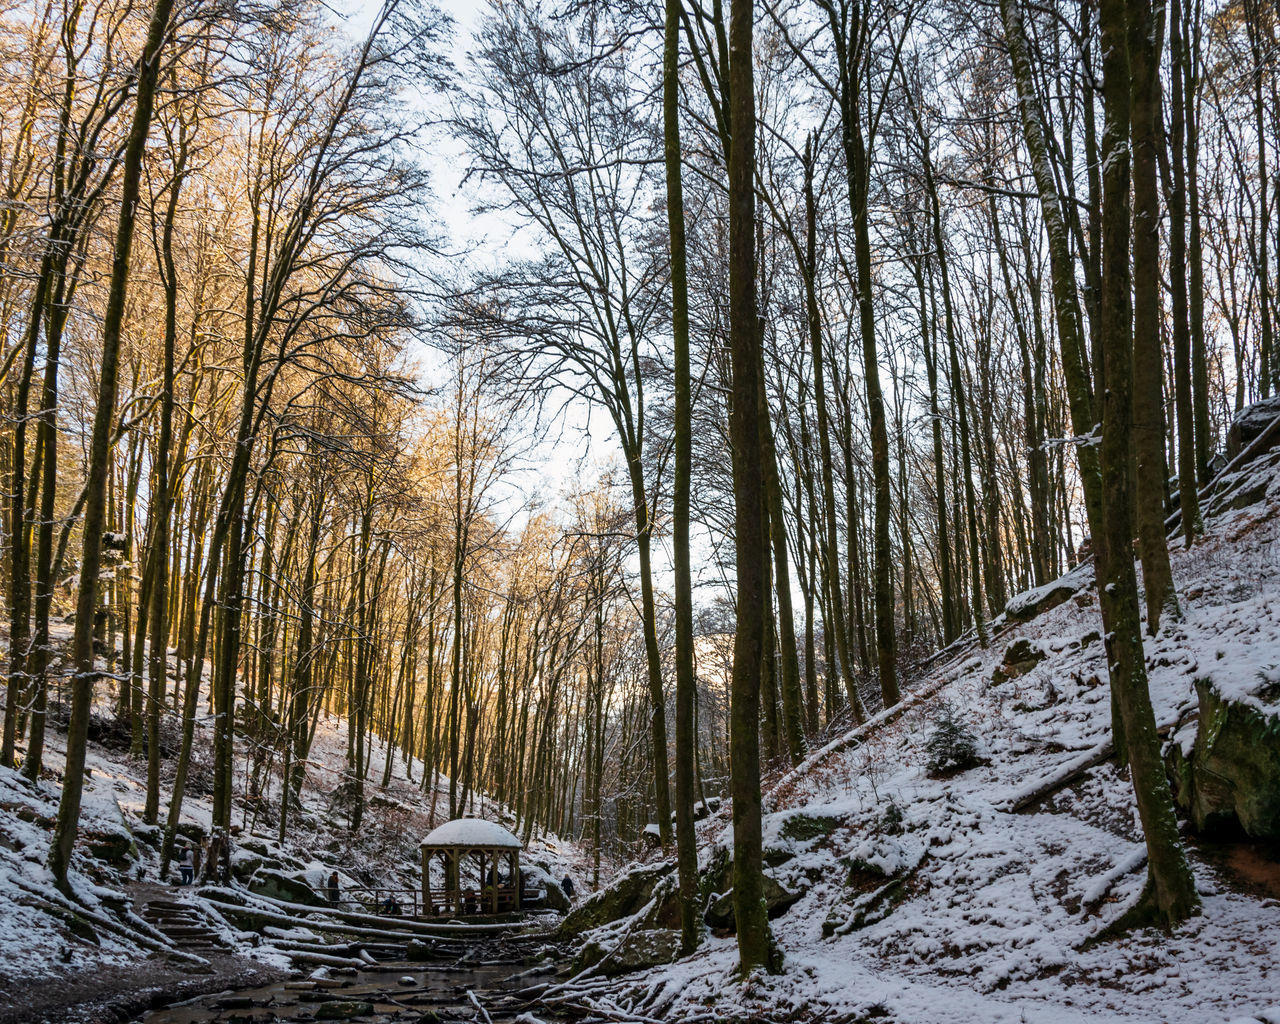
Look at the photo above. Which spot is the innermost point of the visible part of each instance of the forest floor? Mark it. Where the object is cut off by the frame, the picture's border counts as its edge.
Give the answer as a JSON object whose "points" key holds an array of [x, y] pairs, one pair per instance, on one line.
{"points": [[937, 896]]}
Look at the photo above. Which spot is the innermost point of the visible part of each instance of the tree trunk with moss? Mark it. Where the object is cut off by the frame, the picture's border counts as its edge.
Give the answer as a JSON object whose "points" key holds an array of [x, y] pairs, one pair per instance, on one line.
{"points": [[1170, 895], [1148, 375]]}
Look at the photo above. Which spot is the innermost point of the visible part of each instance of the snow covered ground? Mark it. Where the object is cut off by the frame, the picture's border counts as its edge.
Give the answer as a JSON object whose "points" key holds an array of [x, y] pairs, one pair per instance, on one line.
{"points": [[929, 899]]}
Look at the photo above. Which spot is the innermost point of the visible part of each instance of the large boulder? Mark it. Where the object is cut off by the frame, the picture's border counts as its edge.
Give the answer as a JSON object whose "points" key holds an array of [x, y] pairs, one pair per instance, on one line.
{"points": [[278, 886], [114, 847], [1250, 422], [536, 877], [777, 901], [1020, 658], [639, 949], [1030, 603], [626, 895], [1229, 781]]}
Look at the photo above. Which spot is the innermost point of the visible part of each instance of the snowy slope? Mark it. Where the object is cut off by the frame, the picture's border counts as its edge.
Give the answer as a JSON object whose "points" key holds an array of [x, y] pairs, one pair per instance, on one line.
{"points": [[953, 907]]}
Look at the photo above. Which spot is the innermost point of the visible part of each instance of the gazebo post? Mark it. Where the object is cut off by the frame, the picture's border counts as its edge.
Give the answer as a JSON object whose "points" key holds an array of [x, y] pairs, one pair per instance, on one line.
{"points": [[425, 856], [493, 889]]}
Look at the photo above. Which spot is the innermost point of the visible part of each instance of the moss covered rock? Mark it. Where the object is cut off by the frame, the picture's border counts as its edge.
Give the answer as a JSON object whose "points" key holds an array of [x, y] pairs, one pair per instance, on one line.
{"points": [[777, 900], [637, 951], [115, 848], [1020, 658], [1031, 603], [624, 897], [1230, 782], [278, 886], [804, 827]]}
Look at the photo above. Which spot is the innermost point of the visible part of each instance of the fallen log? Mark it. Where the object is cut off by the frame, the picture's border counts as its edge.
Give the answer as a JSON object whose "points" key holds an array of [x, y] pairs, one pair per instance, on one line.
{"points": [[337, 928], [1068, 773], [416, 928], [322, 959]]}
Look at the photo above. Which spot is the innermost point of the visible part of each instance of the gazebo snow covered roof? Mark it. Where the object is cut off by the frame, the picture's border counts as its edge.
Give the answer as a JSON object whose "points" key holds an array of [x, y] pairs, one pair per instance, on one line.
{"points": [[471, 834]]}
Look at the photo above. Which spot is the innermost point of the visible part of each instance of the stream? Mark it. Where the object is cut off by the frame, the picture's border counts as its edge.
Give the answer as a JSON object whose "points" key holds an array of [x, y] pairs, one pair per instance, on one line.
{"points": [[404, 993]]}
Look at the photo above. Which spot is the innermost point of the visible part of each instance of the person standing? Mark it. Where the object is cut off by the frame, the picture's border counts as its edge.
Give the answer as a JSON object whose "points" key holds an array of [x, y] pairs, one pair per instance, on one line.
{"points": [[331, 890], [186, 865]]}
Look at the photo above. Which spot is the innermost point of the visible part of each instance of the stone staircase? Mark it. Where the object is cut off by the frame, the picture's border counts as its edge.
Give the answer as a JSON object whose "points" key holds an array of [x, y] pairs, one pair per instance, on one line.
{"points": [[184, 924]]}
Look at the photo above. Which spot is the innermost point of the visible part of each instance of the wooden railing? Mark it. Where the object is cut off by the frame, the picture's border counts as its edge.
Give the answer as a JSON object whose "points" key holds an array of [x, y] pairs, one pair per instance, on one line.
{"points": [[374, 900], [440, 903]]}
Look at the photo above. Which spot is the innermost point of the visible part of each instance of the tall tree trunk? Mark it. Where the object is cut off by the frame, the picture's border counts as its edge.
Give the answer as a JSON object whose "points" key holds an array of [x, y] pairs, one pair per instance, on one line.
{"points": [[686, 680], [653, 657], [946, 584], [857, 165], [1188, 475], [100, 451], [1190, 64], [1171, 894], [966, 466], [751, 538], [39, 653], [1145, 32], [789, 658], [1066, 304], [1269, 368], [836, 623], [162, 499], [19, 551]]}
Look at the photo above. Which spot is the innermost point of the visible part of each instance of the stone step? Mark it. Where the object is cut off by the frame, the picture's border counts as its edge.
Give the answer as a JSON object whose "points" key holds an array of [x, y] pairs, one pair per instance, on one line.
{"points": [[182, 924]]}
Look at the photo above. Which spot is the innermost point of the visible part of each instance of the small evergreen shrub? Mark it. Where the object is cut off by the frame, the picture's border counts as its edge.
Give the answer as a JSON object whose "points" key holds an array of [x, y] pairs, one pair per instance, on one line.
{"points": [[951, 747]]}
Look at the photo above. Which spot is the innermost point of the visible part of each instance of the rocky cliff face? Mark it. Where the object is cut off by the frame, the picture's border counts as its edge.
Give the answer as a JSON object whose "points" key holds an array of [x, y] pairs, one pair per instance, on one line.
{"points": [[1228, 782]]}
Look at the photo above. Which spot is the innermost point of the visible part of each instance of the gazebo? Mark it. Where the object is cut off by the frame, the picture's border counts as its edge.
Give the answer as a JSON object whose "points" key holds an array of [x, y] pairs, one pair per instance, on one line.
{"points": [[481, 862]]}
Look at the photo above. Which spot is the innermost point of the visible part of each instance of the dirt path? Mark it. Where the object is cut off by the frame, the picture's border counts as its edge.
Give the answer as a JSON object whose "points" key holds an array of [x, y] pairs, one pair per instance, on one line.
{"points": [[113, 993]]}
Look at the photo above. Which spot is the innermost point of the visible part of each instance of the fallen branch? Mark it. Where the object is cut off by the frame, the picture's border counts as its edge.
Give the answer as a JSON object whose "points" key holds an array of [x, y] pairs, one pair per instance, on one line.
{"points": [[1060, 777], [340, 928], [54, 898], [1071, 771], [476, 1003]]}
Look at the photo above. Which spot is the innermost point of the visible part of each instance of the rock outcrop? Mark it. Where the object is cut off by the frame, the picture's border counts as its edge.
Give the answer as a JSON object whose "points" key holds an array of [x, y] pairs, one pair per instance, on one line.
{"points": [[1250, 423], [1021, 657], [638, 950], [627, 895], [777, 901], [1034, 602], [1229, 782], [279, 886]]}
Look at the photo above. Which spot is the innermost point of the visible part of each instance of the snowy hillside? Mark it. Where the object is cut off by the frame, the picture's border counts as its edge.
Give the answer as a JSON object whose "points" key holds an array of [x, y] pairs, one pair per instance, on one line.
{"points": [[942, 884]]}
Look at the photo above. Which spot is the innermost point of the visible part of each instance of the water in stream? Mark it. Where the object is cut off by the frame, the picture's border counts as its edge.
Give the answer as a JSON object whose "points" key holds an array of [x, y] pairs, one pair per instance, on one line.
{"points": [[400, 993]]}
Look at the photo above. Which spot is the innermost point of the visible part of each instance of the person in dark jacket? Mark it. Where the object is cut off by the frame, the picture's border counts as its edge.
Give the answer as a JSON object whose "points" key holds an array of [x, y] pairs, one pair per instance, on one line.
{"points": [[567, 886], [186, 865], [331, 889]]}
